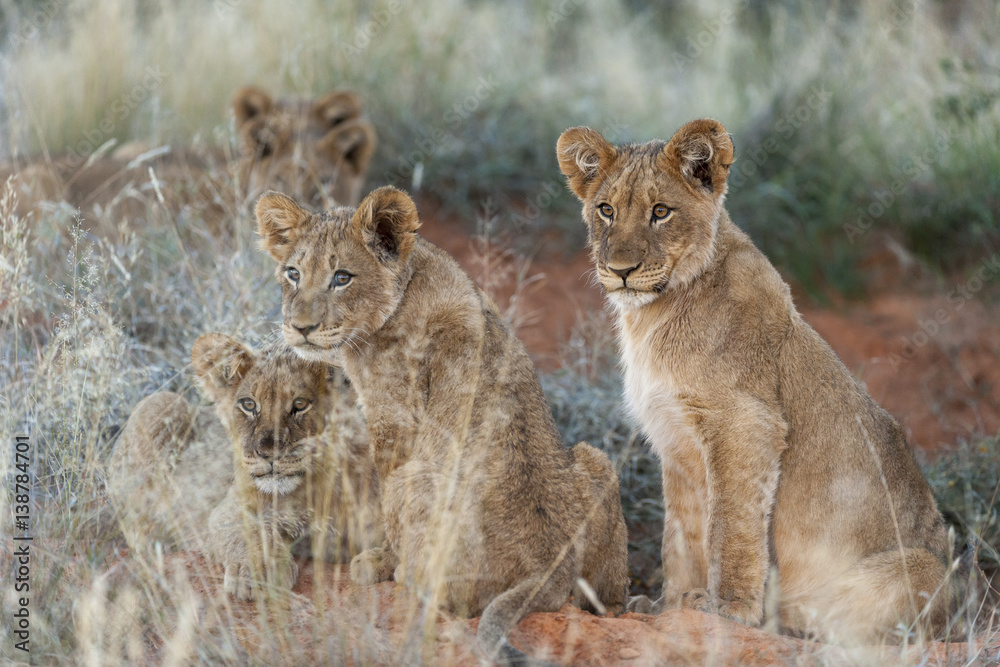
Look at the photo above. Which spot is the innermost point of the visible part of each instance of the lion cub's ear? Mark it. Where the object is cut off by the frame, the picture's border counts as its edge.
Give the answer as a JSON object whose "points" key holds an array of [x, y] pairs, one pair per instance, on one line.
{"points": [[702, 152], [351, 143], [249, 102], [279, 223], [336, 107], [387, 222], [584, 155], [221, 363]]}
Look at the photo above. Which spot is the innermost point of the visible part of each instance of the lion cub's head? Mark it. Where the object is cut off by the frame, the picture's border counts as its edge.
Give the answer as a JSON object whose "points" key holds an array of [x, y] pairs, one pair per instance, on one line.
{"points": [[651, 209], [272, 402], [342, 272], [317, 150]]}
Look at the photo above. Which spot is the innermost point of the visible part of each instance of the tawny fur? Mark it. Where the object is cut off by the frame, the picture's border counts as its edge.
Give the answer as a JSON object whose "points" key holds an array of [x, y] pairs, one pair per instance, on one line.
{"points": [[170, 467], [772, 452], [318, 149], [486, 510], [292, 475]]}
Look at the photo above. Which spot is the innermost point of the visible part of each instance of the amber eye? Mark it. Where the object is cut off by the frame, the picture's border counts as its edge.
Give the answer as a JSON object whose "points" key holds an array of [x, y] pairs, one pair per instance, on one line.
{"points": [[341, 278], [606, 210], [248, 405], [661, 211], [300, 405], [292, 274]]}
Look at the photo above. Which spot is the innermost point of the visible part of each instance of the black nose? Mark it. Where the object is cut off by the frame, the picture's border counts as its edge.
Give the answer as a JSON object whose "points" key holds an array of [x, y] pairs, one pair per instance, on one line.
{"points": [[265, 448], [306, 330], [623, 273]]}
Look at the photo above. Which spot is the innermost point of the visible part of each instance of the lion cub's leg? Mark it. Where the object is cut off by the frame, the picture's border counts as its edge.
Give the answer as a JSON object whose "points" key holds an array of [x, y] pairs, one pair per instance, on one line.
{"points": [[374, 565], [743, 456], [430, 531], [246, 547], [685, 561], [605, 565], [864, 604]]}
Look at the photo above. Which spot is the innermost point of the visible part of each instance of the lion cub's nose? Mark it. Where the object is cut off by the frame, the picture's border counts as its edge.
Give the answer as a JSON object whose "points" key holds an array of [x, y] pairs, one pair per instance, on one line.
{"points": [[305, 330], [622, 272]]}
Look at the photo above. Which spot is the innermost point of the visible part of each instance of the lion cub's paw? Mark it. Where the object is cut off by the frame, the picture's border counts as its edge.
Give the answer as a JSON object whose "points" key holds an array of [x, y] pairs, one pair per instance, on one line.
{"points": [[238, 581], [747, 612], [640, 604], [372, 566]]}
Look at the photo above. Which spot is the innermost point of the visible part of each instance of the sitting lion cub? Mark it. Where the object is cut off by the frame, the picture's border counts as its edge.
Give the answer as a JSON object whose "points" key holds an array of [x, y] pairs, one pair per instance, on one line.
{"points": [[772, 452], [486, 510], [303, 481], [298, 462]]}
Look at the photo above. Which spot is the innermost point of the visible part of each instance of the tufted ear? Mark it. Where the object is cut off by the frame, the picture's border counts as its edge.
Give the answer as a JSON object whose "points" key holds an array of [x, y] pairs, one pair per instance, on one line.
{"points": [[351, 144], [221, 363], [250, 102], [584, 156], [336, 107], [702, 152], [387, 221], [280, 222]]}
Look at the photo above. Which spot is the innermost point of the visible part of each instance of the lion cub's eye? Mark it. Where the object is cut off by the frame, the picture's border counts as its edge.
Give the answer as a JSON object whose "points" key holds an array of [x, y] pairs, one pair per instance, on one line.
{"points": [[292, 274], [341, 278], [661, 212], [248, 405], [606, 210], [300, 405]]}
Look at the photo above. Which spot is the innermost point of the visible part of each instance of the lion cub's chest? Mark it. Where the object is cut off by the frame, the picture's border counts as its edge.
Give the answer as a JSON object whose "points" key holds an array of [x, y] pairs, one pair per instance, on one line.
{"points": [[653, 398]]}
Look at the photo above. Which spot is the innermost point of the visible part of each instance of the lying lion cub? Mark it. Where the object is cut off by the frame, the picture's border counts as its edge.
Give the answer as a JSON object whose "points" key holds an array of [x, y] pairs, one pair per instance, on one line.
{"points": [[772, 452], [486, 510], [302, 464], [319, 149]]}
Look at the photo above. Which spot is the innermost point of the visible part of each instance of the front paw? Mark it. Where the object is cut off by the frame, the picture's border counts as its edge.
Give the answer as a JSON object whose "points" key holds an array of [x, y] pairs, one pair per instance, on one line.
{"points": [[238, 581], [745, 611], [372, 566]]}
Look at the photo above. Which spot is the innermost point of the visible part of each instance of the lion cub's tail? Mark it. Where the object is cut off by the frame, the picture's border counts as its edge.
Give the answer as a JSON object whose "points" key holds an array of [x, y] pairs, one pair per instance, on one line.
{"points": [[503, 613]]}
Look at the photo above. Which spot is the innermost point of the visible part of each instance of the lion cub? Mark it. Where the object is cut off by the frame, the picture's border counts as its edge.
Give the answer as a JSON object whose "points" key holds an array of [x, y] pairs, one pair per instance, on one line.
{"points": [[304, 480], [297, 474], [486, 509], [772, 452], [316, 149]]}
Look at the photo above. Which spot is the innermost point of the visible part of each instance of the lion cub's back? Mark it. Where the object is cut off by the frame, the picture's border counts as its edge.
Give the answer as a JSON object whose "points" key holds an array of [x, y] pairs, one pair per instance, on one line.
{"points": [[172, 465]]}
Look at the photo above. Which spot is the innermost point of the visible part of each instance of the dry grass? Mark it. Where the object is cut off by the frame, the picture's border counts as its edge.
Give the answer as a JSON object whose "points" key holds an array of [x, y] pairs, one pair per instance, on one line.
{"points": [[88, 326], [831, 106]]}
